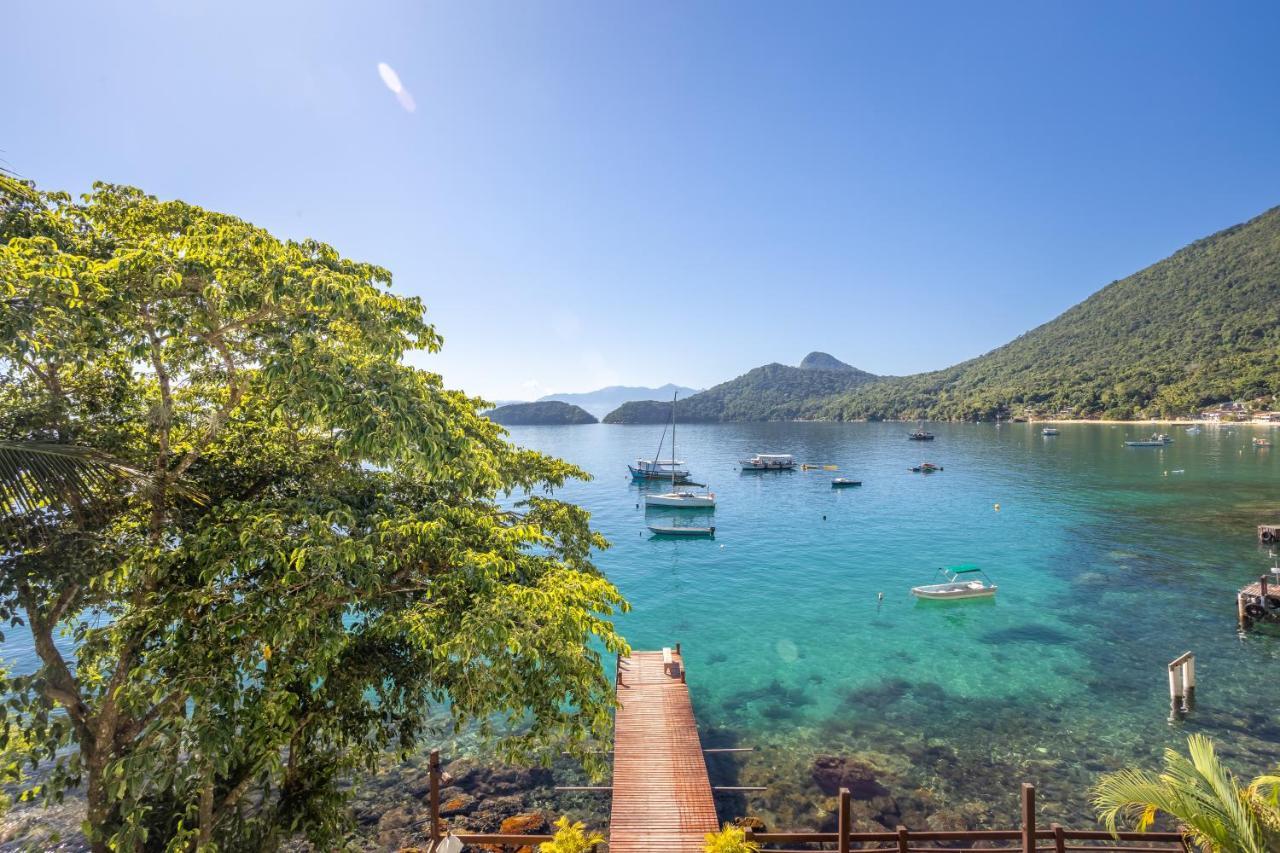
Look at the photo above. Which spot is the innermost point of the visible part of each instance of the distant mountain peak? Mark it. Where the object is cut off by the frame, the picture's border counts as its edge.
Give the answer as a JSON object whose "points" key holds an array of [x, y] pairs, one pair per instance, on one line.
{"points": [[824, 361]]}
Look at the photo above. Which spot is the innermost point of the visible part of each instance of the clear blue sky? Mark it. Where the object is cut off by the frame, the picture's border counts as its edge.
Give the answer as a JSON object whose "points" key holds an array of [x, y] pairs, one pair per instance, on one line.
{"points": [[593, 193]]}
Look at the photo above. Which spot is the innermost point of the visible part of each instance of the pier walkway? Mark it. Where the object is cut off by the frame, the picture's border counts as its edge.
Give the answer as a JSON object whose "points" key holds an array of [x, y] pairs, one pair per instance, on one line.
{"points": [[662, 801]]}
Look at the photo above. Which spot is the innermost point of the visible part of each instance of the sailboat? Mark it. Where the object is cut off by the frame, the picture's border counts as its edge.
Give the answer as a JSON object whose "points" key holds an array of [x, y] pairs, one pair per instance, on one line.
{"points": [[677, 499]]}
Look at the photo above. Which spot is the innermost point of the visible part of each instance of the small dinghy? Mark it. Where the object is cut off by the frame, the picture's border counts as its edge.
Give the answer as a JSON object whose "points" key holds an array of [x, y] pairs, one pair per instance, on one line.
{"points": [[844, 482], [926, 468], [958, 582], [1048, 431], [682, 530]]}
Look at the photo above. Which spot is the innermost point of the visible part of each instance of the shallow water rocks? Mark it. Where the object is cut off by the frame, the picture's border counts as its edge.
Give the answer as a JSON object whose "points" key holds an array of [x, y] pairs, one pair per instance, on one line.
{"points": [[750, 822], [454, 802], [833, 772]]}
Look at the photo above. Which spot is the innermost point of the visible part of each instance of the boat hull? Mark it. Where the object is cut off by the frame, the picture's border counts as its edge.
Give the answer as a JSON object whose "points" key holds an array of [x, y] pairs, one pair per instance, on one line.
{"points": [[954, 591], [845, 484], [641, 474], [676, 500], [675, 530]]}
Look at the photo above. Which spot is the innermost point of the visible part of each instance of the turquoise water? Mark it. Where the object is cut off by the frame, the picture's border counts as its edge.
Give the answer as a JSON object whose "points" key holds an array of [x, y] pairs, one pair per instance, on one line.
{"points": [[1109, 564]]}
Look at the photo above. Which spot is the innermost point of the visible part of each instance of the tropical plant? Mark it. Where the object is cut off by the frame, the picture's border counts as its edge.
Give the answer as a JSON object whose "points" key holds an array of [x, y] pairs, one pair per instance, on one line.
{"points": [[1202, 795], [368, 557], [571, 838], [730, 839]]}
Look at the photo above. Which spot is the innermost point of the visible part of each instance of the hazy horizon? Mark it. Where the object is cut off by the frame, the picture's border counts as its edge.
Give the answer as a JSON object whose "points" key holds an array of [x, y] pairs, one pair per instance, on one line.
{"points": [[595, 194]]}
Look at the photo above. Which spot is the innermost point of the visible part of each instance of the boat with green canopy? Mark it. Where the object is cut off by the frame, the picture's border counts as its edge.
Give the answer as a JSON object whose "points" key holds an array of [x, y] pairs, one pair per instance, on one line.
{"points": [[963, 581]]}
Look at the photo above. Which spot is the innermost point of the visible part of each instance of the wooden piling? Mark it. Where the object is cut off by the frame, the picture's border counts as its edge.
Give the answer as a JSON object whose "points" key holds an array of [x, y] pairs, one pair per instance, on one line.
{"points": [[1059, 838], [1028, 818], [434, 797], [842, 822]]}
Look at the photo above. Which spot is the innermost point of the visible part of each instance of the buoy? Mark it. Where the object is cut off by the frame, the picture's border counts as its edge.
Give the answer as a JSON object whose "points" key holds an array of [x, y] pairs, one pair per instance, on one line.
{"points": [[824, 518], [879, 596], [997, 507]]}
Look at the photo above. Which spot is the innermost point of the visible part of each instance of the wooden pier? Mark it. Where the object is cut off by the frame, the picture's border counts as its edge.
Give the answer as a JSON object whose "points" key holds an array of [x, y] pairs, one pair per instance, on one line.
{"points": [[1258, 602], [662, 800]]}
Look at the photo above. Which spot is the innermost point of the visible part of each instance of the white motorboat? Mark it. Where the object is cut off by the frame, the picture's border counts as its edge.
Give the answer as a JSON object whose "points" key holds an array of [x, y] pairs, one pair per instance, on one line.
{"points": [[1158, 439], [682, 530], [1193, 430], [1048, 431], [769, 462], [682, 500], [966, 581]]}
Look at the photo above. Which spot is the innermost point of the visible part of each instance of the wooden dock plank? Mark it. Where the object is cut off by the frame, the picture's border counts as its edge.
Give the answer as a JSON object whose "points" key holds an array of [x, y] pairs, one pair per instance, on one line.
{"points": [[662, 801]]}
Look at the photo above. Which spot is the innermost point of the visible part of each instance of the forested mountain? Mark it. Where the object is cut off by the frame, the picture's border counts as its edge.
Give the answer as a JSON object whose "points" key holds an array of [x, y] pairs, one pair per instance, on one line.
{"points": [[769, 393], [550, 412], [1199, 327]]}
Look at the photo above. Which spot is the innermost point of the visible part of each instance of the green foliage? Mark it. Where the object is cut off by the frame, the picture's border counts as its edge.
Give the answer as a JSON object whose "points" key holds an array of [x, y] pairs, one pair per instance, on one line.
{"points": [[368, 552], [769, 393], [549, 412], [731, 839], [1199, 327], [571, 838], [1211, 807]]}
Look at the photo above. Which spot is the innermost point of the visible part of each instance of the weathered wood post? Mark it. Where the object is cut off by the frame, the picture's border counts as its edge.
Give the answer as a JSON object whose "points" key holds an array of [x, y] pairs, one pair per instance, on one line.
{"points": [[1241, 615], [433, 773], [904, 839], [842, 822], [1059, 839], [1028, 818], [677, 648], [1262, 583]]}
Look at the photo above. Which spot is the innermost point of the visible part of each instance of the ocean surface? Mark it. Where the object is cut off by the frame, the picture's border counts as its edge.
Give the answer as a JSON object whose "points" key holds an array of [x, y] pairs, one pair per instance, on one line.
{"points": [[1110, 561]]}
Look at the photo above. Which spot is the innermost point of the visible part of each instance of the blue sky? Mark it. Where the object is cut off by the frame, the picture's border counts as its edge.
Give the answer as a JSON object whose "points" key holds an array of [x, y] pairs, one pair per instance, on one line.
{"points": [[597, 193]]}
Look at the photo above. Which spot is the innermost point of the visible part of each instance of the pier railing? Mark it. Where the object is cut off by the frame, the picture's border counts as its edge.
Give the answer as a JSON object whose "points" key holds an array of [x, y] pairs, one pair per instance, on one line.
{"points": [[1028, 838]]}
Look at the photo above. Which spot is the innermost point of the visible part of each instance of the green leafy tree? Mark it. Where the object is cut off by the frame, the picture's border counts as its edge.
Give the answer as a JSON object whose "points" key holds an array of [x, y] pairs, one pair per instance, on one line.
{"points": [[368, 553], [1211, 807]]}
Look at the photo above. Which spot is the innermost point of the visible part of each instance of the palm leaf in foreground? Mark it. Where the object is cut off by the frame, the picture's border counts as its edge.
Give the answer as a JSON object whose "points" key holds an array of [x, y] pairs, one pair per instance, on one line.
{"points": [[38, 477], [1214, 811]]}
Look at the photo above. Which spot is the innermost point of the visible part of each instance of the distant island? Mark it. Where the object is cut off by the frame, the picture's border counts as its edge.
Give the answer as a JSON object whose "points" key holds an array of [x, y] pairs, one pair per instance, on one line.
{"points": [[603, 400], [547, 413], [1196, 329]]}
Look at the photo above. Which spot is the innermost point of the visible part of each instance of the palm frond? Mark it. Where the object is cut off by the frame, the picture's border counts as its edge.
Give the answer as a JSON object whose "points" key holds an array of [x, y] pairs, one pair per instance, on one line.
{"points": [[1199, 792], [38, 478]]}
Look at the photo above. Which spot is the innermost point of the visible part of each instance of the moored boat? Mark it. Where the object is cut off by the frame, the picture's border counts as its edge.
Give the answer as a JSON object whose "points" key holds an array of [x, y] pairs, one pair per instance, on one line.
{"points": [[920, 435], [769, 462], [966, 581], [682, 530], [677, 499], [682, 500], [1262, 442], [926, 468], [844, 482], [1193, 430], [1157, 439], [1048, 431], [654, 469]]}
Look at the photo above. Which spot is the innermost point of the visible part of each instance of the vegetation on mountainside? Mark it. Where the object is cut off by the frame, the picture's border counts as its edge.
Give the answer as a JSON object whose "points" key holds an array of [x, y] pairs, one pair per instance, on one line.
{"points": [[1199, 327], [548, 413], [287, 548], [773, 392]]}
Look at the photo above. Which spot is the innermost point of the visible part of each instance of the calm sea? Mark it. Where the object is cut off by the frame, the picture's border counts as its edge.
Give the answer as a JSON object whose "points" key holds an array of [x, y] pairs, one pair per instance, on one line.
{"points": [[1111, 561]]}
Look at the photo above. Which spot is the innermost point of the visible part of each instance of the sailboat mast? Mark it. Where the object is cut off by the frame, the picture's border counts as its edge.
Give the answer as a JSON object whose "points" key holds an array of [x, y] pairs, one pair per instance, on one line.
{"points": [[673, 439]]}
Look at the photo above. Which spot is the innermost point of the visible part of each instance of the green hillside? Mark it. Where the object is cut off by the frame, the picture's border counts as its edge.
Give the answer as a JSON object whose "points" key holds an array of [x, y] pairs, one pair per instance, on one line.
{"points": [[769, 393], [1199, 327], [1196, 328], [547, 413]]}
